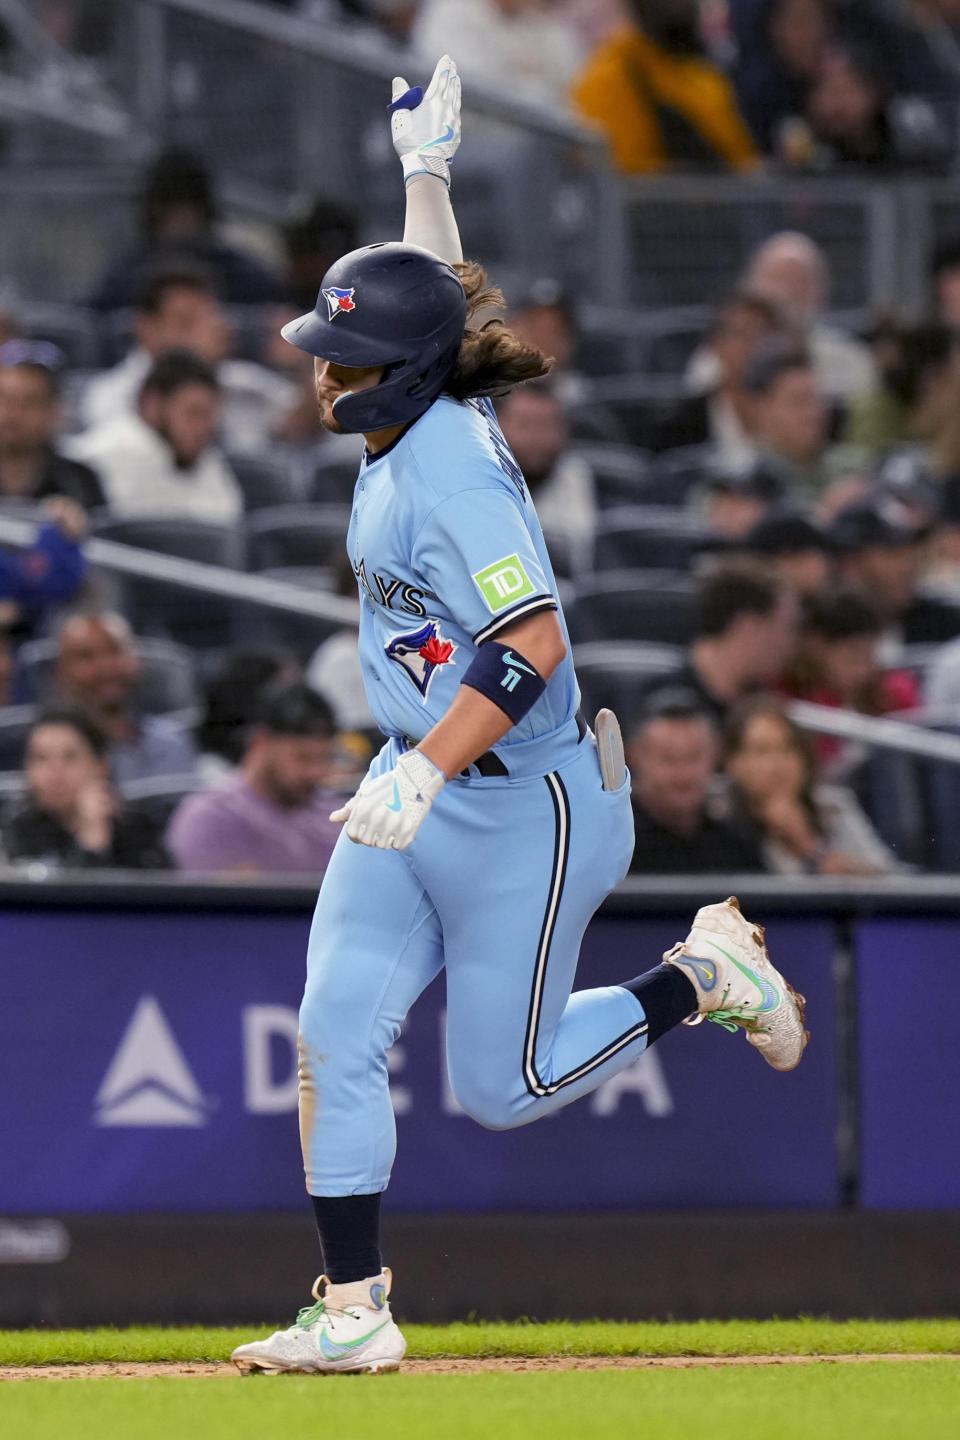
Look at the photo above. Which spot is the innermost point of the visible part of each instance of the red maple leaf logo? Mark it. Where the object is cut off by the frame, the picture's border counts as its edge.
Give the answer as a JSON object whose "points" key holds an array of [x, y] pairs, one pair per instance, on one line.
{"points": [[346, 303], [436, 652]]}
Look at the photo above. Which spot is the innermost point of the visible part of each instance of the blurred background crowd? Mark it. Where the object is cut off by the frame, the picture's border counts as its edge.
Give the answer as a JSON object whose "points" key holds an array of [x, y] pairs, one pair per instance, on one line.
{"points": [[746, 459]]}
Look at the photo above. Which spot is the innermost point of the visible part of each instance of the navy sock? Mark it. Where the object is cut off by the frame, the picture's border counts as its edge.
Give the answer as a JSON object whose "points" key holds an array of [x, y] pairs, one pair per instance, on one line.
{"points": [[667, 997], [349, 1230]]}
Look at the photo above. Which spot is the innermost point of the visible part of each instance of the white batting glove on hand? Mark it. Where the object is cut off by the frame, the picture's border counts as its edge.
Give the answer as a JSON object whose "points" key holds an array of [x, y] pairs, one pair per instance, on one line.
{"points": [[426, 127], [388, 811]]}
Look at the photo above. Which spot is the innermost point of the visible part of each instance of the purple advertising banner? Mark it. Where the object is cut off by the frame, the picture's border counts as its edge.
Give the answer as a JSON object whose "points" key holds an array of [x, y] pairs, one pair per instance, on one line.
{"points": [[147, 1063], [909, 1065]]}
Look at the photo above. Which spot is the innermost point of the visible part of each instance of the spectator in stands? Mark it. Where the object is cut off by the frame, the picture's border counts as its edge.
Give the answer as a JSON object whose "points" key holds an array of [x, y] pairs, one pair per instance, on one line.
{"points": [[49, 572], [161, 459], [941, 569], [179, 311], [73, 818], [312, 240], [231, 704], [535, 427], [31, 465], [780, 44], [178, 214], [837, 663], [7, 668], [881, 557], [544, 316], [672, 753], [790, 419], [517, 46], [745, 634], [945, 283], [274, 818], [658, 99], [915, 398], [791, 271], [97, 669], [803, 826], [795, 547], [720, 412], [733, 504], [847, 108]]}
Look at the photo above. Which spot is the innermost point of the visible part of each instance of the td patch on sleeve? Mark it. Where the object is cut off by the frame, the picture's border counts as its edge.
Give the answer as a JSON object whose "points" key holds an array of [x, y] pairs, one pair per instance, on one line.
{"points": [[503, 583]]}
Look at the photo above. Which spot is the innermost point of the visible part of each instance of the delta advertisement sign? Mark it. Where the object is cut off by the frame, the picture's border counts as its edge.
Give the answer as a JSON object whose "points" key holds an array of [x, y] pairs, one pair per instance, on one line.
{"points": [[148, 1063]]}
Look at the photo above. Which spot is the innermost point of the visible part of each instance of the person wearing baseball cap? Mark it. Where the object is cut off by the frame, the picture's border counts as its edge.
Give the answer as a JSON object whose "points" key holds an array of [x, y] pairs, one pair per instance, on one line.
{"points": [[798, 549], [879, 553]]}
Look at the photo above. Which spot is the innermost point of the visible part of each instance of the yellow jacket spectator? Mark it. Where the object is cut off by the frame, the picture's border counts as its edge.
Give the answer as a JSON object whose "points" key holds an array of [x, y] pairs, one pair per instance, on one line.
{"points": [[660, 101]]}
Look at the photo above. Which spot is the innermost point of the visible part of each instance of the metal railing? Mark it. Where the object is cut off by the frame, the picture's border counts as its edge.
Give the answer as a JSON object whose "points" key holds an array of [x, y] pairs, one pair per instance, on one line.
{"points": [[331, 612]]}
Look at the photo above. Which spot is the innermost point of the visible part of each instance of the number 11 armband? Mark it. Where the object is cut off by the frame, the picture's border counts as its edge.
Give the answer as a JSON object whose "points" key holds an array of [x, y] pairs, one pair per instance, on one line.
{"points": [[506, 678]]}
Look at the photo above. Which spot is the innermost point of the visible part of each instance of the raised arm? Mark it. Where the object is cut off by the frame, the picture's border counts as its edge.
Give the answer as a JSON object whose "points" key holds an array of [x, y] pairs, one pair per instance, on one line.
{"points": [[426, 133]]}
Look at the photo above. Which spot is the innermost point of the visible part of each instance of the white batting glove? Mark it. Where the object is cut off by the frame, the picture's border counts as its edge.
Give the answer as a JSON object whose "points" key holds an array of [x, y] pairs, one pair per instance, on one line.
{"points": [[426, 127], [388, 811]]}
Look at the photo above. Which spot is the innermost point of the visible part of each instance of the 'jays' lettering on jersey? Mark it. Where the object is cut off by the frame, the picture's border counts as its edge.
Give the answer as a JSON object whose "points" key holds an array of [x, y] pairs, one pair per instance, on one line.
{"points": [[447, 551]]}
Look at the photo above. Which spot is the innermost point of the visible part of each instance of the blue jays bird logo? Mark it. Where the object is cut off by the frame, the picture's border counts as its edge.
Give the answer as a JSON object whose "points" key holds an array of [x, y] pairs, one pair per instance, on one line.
{"points": [[338, 301], [421, 653]]}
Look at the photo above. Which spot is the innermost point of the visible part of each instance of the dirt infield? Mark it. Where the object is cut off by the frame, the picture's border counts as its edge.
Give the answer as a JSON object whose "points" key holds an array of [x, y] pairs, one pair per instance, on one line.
{"points": [[129, 1371]]}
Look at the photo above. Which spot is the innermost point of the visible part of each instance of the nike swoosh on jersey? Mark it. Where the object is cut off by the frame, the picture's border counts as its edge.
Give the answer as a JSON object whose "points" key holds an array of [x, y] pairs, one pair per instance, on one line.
{"points": [[396, 804], [334, 1350]]}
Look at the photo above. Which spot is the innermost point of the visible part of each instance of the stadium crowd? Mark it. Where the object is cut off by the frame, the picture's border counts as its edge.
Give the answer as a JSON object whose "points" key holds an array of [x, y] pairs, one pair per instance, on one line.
{"points": [[769, 511], [803, 85]]}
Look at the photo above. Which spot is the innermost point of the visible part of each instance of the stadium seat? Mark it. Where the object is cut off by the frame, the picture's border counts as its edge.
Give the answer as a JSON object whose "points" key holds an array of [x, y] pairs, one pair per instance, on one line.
{"points": [[656, 605], [673, 336], [296, 535], [187, 539], [15, 722], [675, 473], [647, 537], [638, 404], [890, 787], [332, 482], [312, 577], [159, 795], [263, 481], [13, 792], [561, 550], [72, 328], [591, 420], [617, 673], [166, 681], [620, 472]]}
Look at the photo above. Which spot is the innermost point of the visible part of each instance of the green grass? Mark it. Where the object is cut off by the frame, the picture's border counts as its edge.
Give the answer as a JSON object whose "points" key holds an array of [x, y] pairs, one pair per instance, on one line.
{"points": [[884, 1401], [705, 1337]]}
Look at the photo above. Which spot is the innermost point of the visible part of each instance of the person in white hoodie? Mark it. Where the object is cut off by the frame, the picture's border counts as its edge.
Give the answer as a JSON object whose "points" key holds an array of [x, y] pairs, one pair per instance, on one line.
{"points": [[161, 460]]}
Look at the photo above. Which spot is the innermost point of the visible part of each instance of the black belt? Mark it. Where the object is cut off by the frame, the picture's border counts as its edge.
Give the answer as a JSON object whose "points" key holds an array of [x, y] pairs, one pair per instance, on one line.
{"points": [[489, 763]]}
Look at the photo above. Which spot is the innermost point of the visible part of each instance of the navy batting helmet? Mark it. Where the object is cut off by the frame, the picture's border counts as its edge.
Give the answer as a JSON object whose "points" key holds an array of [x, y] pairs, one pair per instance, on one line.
{"points": [[392, 305]]}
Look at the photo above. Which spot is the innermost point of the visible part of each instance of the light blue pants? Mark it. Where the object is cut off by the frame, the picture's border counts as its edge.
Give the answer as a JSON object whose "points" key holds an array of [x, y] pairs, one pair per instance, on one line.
{"points": [[498, 888]]}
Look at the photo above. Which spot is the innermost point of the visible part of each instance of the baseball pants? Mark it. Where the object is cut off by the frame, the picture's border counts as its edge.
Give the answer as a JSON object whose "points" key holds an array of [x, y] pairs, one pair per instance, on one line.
{"points": [[497, 888]]}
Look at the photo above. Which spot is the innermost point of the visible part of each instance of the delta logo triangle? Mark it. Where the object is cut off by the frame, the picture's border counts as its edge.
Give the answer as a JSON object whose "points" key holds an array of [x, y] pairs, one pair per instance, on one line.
{"points": [[148, 1081]]}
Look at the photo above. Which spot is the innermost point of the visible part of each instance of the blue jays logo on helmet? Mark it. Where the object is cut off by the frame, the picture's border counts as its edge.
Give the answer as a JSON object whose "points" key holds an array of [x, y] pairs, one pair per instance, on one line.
{"points": [[420, 653], [339, 301]]}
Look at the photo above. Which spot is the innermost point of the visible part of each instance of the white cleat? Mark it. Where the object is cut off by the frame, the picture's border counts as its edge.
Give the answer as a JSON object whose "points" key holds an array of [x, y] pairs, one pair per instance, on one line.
{"points": [[725, 959], [350, 1329]]}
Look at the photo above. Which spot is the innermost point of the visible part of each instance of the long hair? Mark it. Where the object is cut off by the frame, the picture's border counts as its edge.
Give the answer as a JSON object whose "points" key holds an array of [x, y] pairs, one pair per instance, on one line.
{"points": [[491, 358], [734, 735]]}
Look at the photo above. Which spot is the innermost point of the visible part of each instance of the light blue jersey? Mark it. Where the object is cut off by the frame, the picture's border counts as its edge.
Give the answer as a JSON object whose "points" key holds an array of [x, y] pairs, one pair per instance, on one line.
{"points": [[500, 881], [448, 550]]}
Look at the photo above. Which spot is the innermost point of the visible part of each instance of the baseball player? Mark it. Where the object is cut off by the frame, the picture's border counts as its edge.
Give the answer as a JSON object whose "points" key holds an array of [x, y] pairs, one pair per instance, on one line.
{"points": [[490, 826]]}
